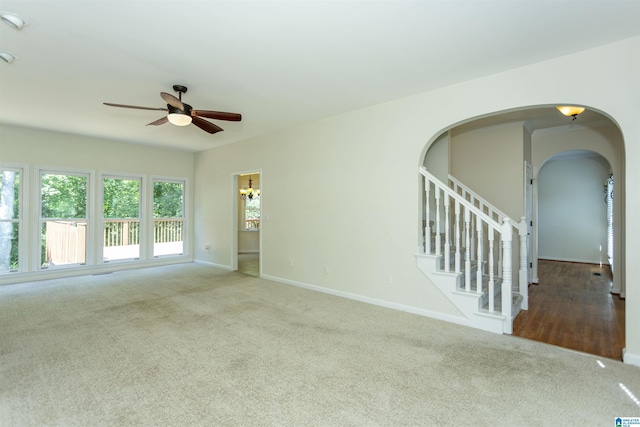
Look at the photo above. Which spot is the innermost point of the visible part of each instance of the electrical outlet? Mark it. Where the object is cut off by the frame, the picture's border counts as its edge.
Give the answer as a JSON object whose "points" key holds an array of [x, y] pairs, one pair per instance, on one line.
{"points": [[290, 263], [387, 279], [326, 269], [207, 247]]}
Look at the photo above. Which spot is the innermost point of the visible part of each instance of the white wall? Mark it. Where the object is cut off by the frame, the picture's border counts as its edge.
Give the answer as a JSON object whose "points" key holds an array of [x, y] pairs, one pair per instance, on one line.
{"points": [[572, 214], [32, 148], [490, 162], [437, 159], [39, 147], [341, 197], [248, 242]]}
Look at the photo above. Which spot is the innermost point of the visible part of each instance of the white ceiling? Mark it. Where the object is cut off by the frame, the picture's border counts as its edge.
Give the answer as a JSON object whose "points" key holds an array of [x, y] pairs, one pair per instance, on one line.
{"points": [[278, 63]]}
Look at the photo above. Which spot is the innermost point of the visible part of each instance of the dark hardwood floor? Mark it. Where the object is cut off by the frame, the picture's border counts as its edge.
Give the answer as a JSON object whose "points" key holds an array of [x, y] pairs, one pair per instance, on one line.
{"points": [[572, 307]]}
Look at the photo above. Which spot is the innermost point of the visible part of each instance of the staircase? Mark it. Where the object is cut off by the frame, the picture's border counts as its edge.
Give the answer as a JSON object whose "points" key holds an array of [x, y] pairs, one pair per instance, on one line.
{"points": [[467, 252]]}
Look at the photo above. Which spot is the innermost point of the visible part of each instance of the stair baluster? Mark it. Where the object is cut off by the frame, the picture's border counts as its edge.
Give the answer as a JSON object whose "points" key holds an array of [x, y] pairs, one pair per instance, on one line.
{"points": [[447, 235], [479, 259], [427, 215], [438, 236], [491, 289], [457, 237], [467, 252]]}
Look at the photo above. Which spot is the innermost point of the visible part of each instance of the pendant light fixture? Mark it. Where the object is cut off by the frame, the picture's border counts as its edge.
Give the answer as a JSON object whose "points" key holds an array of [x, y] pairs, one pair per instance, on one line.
{"points": [[249, 193]]}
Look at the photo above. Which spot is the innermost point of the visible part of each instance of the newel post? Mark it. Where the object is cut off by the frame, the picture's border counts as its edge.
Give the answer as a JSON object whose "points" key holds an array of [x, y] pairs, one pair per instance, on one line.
{"points": [[523, 274], [507, 274]]}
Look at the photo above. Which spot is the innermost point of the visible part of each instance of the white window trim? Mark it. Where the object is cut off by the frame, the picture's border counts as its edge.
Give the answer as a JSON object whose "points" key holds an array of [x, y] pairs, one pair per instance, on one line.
{"points": [[142, 216], [23, 223], [186, 218], [244, 216], [37, 216]]}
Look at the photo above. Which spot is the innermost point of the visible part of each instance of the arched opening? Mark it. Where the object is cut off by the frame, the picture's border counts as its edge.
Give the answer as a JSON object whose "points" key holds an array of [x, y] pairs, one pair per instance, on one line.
{"points": [[491, 156], [572, 207], [572, 304]]}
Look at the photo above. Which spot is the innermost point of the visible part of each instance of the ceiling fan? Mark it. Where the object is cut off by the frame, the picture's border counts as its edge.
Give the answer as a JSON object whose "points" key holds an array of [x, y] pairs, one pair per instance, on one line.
{"points": [[181, 114]]}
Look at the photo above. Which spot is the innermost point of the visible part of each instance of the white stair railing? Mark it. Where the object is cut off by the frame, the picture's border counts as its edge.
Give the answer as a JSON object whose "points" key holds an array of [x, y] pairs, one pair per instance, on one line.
{"points": [[495, 213], [474, 239]]}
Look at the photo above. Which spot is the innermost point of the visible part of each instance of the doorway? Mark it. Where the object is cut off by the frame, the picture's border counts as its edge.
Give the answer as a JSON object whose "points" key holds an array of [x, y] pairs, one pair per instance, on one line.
{"points": [[248, 217], [572, 304]]}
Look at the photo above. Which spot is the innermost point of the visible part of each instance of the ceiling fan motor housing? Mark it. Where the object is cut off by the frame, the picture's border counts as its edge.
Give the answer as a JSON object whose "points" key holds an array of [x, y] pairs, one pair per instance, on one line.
{"points": [[174, 110]]}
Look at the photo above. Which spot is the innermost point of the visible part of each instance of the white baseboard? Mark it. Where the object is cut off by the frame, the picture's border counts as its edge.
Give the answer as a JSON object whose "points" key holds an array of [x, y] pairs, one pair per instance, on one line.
{"points": [[581, 261], [631, 359], [373, 301], [86, 270], [212, 264]]}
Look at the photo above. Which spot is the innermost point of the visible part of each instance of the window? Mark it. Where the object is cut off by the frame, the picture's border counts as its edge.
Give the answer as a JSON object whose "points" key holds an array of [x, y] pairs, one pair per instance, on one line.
{"points": [[608, 189], [10, 219], [121, 218], [47, 220], [168, 217], [63, 219], [249, 202], [252, 214]]}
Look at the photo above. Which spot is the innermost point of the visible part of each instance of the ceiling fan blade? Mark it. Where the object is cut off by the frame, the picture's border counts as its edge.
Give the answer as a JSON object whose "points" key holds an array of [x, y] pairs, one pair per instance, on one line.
{"points": [[219, 115], [133, 106], [159, 122], [172, 100], [205, 125]]}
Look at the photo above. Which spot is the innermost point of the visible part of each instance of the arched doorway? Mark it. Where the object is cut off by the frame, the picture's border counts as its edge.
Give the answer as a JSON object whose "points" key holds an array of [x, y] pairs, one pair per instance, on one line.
{"points": [[571, 303], [545, 133]]}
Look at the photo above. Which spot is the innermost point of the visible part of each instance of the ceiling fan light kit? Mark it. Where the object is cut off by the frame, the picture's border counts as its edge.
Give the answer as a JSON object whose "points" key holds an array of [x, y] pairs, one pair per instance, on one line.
{"points": [[179, 119], [181, 114]]}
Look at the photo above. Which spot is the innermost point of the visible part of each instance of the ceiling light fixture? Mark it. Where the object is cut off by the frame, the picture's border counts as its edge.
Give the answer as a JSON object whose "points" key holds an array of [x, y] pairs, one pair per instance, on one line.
{"points": [[249, 192], [570, 111], [12, 19], [7, 57], [179, 119]]}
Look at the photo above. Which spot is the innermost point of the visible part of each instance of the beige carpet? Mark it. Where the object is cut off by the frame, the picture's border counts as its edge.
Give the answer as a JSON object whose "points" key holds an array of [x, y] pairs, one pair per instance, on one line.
{"points": [[193, 345]]}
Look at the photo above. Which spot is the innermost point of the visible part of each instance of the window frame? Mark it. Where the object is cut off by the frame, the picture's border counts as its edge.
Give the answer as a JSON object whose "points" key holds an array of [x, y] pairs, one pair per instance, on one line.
{"points": [[99, 244], [36, 261], [185, 216], [23, 209], [244, 214]]}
